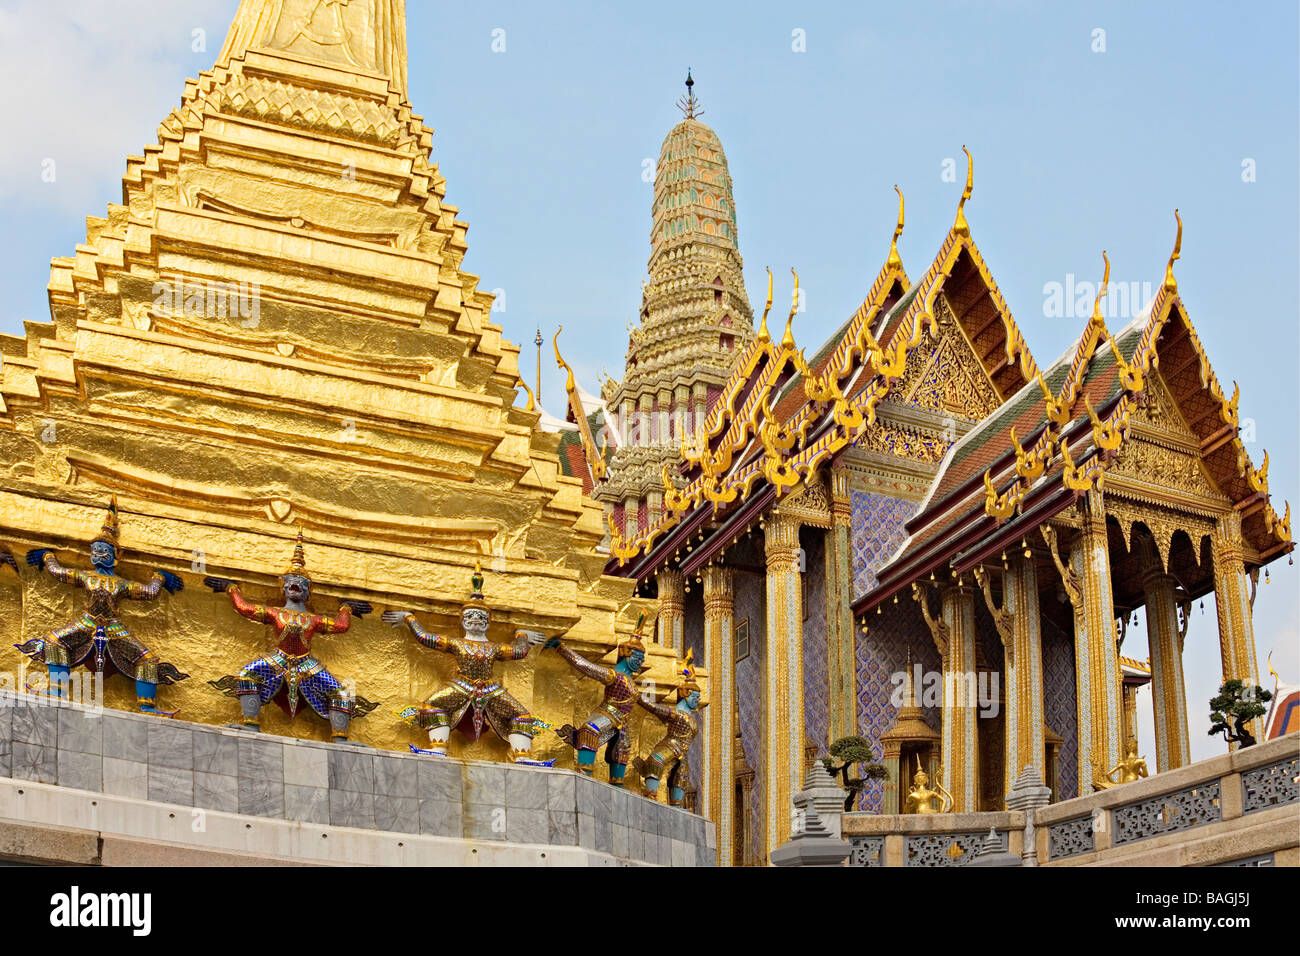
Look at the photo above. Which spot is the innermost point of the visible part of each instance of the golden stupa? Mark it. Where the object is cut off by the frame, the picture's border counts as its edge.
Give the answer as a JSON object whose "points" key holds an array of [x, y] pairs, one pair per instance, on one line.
{"points": [[273, 331]]}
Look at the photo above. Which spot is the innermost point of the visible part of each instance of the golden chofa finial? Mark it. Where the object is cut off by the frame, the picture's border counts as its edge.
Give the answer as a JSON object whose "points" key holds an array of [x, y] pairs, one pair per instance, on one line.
{"points": [[569, 384], [1171, 284], [763, 334], [960, 226], [895, 261], [787, 340], [532, 399], [1101, 293]]}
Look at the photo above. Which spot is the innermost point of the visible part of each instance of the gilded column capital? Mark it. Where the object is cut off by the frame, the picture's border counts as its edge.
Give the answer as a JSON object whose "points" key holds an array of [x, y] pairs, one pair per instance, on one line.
{"points": [[672, 597], [1226, 537], [781, 537], [719, 591], [1092, 512]]}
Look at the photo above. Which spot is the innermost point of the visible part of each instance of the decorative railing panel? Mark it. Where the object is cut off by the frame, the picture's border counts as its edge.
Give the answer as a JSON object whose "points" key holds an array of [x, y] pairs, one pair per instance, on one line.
{"points": [[1167, 813], [1270, 786], [1070, 838], [946, 849], [867, 851]]}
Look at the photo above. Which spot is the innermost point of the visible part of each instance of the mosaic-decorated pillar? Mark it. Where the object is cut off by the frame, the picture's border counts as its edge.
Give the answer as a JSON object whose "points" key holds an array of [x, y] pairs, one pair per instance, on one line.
{"points": [[1024, 664], [841, 658], [960, 699], [719, 717], [672, 609], [1232, 597], [783, 678], [631, 509], [1096, 657], [1164, 641]]}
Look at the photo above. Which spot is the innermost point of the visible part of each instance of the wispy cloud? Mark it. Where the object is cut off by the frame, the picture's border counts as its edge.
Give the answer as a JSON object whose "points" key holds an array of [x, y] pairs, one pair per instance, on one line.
{"points": [[89, 86]]}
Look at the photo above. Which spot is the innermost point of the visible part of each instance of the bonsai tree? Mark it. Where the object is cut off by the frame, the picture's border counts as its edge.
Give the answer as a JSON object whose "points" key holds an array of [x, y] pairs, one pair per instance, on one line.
{"points": [[1235, 706], [853, 751]]}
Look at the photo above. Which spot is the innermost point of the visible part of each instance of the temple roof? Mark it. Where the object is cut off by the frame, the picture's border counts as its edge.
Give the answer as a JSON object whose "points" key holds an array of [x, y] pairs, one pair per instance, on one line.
{"points": [[780, 418], [1058, 435]]}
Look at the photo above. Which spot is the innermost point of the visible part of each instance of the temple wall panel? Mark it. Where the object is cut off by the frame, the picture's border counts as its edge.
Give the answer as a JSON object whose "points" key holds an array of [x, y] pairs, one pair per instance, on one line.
{"points": [[750, 606], [1059, 707], [990, 729], [877, 533], [882, 653], [816, 686]]}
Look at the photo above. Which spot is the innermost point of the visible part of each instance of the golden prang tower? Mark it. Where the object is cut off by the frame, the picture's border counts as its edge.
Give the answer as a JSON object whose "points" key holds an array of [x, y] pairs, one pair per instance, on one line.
{"points": [[273, 331], [695, 319]]}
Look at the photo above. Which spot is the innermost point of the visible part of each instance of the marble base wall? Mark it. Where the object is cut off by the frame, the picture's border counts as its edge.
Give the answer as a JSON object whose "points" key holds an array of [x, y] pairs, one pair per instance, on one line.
{"points": [[238, 771]]}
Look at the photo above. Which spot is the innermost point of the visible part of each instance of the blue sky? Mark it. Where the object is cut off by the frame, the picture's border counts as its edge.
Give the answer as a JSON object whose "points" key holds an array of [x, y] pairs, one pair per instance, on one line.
{"points": [[1076, 150]]}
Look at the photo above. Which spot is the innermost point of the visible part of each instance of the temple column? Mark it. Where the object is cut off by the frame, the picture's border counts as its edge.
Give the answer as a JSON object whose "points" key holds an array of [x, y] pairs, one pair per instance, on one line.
{"points": [[629, 422], [783, 678], [1164, 642], [1232, 599], [654, 501], [1096, 657], [954, 635], [1024, 666], [842, 670], [719, 750], [672, 609], [960, 699]]}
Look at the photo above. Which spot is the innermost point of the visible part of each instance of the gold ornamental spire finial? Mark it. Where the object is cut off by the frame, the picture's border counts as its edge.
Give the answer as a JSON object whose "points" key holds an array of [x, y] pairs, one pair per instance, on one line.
{"points": [[1171, 284], [763, 334], [960, 227], [1101, 293], [787, 340], [688, 104], [895, 261], [298, 563], [108, 532]]}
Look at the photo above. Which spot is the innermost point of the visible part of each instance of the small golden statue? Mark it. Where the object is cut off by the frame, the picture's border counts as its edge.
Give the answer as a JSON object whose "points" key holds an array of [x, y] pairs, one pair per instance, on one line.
{"points": [[922, 799], [1130, 768]]}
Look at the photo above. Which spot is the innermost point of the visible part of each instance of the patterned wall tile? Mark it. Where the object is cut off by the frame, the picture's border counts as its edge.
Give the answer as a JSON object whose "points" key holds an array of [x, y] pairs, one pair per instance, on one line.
{"points": [[816, 689], [877, 533], [881, 653], [1059, 705], [751, 601]]}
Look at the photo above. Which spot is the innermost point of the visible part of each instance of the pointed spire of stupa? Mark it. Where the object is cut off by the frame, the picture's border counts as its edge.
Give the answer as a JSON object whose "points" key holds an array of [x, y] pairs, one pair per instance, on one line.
{"points": [[688, 104]]}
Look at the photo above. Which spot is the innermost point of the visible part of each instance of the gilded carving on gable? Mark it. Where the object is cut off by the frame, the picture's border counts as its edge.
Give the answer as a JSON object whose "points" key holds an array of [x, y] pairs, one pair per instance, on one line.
{"points": [[1157, 465], [904, 443], [1157, 411], [946, 377]]}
